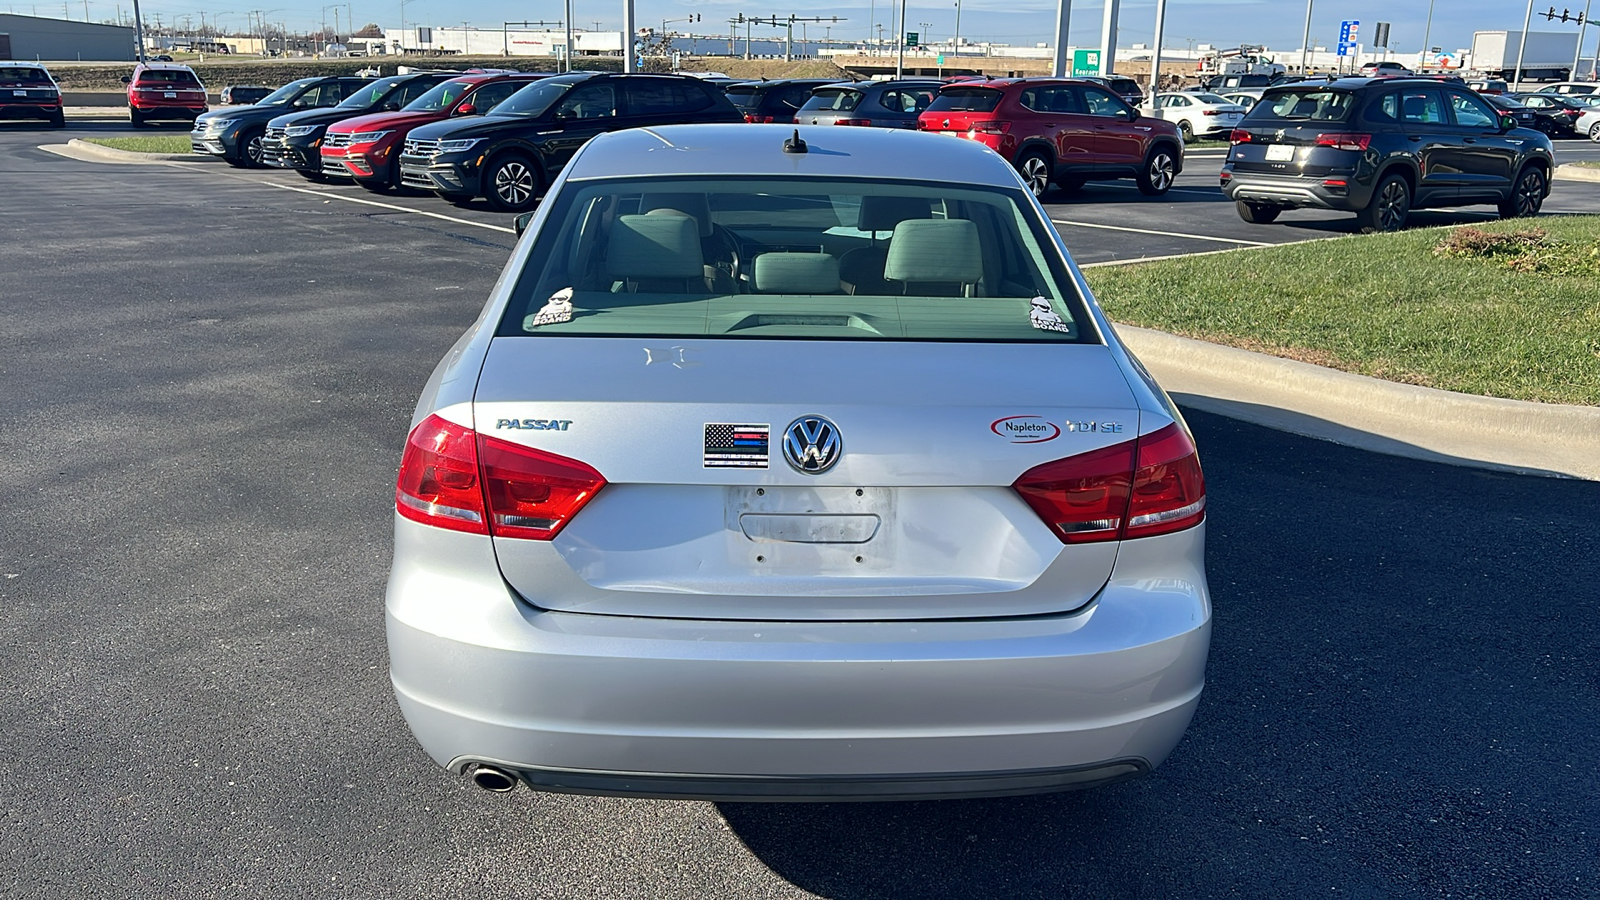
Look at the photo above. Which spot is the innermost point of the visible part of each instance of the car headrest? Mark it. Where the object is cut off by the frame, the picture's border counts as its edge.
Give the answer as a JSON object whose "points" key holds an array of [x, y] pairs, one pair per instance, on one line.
{"points": [[796, 273], [935, 250], [654, 247], [884, 213], [695, 206]]}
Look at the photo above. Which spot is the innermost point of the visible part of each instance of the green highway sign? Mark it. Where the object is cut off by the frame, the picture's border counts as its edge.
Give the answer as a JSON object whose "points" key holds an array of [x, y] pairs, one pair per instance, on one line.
{"points": [[1085, 62], [911, 38]]}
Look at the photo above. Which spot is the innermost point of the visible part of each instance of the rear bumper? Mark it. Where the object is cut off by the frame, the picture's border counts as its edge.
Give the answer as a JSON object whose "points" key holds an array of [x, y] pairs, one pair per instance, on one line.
{"points": [[163, 112], [1291, 191], [810, 710], [31, 110]]}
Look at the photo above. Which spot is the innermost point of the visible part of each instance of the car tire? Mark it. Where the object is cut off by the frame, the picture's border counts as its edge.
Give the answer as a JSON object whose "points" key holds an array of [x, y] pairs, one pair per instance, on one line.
{"points": [[1256, 214], [1072, 183], [1034, 167], [136, 119], [59, 120], [250, 149], [1594, 132], [1159, 171], [1389, 207], [511, 183], [1527, 195], [1186, 131]]}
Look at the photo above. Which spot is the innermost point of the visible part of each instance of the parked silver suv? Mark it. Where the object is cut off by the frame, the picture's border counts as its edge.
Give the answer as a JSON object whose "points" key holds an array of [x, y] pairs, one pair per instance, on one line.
{"points": [[780, 466]]}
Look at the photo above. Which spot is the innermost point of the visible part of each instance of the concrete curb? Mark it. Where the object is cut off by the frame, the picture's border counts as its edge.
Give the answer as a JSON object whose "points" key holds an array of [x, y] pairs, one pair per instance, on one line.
{"points": [[1571, 172], [88, 152], [1371, 414]]}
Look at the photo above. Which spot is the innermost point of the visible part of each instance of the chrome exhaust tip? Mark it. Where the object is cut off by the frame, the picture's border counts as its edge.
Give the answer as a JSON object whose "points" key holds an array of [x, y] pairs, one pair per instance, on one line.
{"points": [[493, 778]]}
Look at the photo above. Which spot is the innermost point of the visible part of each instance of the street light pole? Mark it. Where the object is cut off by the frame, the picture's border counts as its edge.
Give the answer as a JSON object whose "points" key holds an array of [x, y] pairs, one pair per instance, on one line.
{"points": [[1305, 42], [955, 48], [138, 29], [1577, 55], [1108, 38], [1522, 46], [1058, 66], [1427, 32], [1155, 52], [900, 42]]}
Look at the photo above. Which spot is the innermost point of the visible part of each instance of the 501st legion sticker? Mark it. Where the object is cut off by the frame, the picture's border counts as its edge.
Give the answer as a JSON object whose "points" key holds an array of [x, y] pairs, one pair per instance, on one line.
{"points": [[734, 446]]}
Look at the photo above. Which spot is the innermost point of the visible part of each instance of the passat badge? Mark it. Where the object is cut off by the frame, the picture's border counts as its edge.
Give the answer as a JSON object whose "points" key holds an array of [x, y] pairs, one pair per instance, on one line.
{"points": [[811, 445]]}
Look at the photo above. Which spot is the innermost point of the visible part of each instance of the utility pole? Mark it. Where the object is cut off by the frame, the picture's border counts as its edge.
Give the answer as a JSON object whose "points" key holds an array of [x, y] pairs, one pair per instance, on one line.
{"points": [[1063, 22], [900, 43], [138, 29], [1305, 43], [1155, 53], [630, 32], [1427, 32], [955, 48], [567, 18], [1577, 55]]}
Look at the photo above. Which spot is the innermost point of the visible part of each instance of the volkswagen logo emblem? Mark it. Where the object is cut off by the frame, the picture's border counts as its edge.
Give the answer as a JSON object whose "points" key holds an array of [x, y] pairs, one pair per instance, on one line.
{"points": [[811, 445]]}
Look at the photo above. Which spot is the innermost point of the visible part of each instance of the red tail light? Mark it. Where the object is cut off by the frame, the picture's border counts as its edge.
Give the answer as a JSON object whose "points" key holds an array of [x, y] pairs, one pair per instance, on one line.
{"points": [[1344, 141], [1149, 486], [1239, 136], [759, 120], [532, 494], [1210, 112], [990, 126], [866, 122], [448, 470], [439, 477]]}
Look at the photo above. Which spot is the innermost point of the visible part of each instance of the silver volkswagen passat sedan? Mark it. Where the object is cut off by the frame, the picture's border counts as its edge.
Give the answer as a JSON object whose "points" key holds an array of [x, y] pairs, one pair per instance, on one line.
{"points": [[786, 466]]}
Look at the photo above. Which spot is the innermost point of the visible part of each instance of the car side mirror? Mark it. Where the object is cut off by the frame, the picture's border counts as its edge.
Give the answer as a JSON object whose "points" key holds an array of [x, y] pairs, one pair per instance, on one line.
{"points": [[564, 115], [127, 79], [466, 109], [1127, 115], [1507, 123], [391, 106], [521, 222]]}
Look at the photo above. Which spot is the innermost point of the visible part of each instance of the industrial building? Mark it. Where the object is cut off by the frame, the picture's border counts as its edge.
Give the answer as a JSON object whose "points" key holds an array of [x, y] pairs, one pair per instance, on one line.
{"points": [[36, 37]]}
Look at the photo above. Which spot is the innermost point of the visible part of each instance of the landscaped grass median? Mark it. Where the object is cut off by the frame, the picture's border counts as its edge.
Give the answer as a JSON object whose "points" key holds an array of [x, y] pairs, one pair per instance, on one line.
{"points": [[162, 143], [1517, 318]]}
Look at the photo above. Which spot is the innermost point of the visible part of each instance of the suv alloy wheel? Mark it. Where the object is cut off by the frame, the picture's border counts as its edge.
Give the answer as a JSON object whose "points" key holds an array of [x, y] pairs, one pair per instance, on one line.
{"points": [[1160, 170], [1527, 195], [1389, 208], [1035, 169], [511, 184]]}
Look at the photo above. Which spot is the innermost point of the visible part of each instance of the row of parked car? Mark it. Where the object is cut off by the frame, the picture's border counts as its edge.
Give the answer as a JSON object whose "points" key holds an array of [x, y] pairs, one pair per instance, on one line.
{"points": [[504, 136]]}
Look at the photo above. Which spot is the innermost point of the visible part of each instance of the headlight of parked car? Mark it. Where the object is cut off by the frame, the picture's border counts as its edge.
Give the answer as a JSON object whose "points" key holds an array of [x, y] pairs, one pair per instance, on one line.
{"points": [[367, 137], [220, 124], [457, 146], [300, 130]]}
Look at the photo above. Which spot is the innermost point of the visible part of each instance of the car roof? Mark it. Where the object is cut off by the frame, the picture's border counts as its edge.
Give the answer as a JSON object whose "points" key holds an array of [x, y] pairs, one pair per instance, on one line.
{"points": [[743, 149], [162, 66]]}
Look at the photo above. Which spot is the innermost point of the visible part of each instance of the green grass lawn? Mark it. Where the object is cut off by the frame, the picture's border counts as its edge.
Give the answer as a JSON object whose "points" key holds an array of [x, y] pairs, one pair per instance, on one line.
{"points": [[1388, 306], [161, 143]]}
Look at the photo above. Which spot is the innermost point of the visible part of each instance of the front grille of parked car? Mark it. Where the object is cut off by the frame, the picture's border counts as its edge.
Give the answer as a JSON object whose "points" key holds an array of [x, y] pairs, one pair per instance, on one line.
{"points": [[274, 134], [412, 178], [334, 166], [416, 147], [336, 141]]}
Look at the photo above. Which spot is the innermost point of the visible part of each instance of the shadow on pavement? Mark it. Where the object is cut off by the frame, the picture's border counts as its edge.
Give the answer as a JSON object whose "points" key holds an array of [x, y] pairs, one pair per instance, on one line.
{"points": [[1401, 701]]}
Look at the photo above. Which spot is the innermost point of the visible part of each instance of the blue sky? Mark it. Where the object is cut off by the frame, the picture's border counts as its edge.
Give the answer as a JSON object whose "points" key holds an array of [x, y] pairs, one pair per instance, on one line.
{"points": [[1277, 23]]}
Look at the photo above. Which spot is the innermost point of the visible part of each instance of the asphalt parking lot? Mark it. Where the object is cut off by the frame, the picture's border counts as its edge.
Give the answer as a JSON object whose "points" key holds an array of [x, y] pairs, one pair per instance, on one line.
{"points": [[208, 381]]}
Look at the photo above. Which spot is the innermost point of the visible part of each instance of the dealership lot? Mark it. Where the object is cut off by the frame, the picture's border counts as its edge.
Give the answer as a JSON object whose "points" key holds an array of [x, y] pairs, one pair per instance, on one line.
{"points": [[209, 377]]}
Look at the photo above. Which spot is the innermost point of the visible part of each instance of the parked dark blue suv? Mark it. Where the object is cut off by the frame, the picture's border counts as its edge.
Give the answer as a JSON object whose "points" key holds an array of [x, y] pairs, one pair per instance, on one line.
{"points": [[1381, 147]]}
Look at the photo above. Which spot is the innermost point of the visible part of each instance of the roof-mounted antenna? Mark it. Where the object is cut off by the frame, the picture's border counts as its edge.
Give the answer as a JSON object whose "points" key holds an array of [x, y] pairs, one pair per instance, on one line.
{"points": [[795, 145]]}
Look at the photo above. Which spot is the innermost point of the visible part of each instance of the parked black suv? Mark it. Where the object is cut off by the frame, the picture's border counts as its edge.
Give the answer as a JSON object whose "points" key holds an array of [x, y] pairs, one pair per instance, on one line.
{"points": [[234, 133], [511, 156], [1381, 147], [294, 141]]}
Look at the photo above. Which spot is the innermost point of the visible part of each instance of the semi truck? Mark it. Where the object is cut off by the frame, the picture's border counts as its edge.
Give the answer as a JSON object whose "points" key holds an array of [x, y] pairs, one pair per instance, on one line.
{"points": [[1547, 57]]}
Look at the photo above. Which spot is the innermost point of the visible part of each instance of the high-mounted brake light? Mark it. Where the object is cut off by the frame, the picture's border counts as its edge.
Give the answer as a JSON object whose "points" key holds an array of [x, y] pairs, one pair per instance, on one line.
{"points": [[454, 478], [1139, 488], [1344, 141]]}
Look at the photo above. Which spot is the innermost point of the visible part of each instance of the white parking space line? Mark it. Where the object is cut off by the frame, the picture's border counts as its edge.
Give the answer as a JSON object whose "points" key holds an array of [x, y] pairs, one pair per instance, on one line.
{"points": [[1176, 234], [1176, 190], [405, 209]]}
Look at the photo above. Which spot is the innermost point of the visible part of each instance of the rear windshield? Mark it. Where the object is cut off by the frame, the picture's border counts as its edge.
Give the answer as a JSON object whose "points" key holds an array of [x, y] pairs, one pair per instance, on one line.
{"points": [[442, 97], [167, 76], [23, 75], [1124, 85], [755, 258], [745, 96], [1303, 104], [965, 99], [836, 99]]}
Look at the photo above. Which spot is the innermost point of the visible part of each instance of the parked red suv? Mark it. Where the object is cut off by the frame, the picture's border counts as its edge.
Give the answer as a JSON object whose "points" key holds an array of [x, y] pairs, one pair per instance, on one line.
{"points": [[164, 91], [367, 148], [1062, 130]]}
